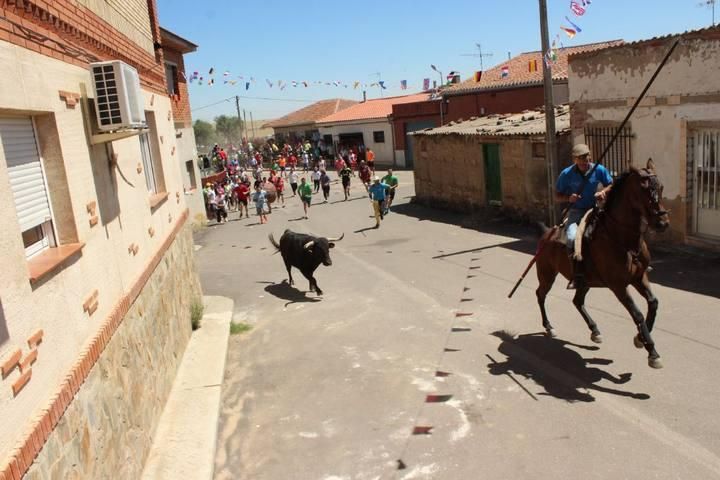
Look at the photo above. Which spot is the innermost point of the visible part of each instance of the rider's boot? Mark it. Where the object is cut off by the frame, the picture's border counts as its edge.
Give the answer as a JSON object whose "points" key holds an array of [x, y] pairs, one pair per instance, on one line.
{"points": [[578, 280]]}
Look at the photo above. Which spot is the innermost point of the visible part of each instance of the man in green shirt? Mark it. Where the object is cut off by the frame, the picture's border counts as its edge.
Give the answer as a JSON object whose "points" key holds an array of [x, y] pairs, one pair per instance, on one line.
{"points": [[391, 181], [305, 192]]}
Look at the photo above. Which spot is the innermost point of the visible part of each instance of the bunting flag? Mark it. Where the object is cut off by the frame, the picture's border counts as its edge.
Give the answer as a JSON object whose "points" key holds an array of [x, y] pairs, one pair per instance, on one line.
{"points": [[211, 82], [426, 84], [576, 8], [270, 84], [575, 27], [226, 73], [252, 79], [247, 85], [533, 66], [212, 69], [294, 83], [478, 75], [382, 84], [403, 84], [305, 83], [586, 3], [355, 85], [505, 72], [569, 31]]}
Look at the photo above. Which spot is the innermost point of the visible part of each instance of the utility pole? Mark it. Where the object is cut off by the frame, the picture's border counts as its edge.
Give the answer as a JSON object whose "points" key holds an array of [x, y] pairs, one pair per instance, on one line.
{"points": [[480, 55], [550, 146], [711, 4], [252, 125], [237, 106], [245, 123]]}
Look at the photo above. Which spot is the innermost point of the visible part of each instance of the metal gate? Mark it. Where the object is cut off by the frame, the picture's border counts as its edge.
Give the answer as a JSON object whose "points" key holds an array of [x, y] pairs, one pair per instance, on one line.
{"points": [[704, 159], [619, 157]]}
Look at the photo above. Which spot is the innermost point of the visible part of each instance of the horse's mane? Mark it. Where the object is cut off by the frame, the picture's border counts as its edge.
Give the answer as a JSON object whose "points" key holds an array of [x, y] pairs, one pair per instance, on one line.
{"points": [[618, 186]]}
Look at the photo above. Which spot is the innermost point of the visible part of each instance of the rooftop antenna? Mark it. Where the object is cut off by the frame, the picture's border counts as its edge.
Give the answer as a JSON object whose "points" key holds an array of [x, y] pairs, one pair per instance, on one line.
{"points": [[379, 75], [711, 4], [480, 55]]}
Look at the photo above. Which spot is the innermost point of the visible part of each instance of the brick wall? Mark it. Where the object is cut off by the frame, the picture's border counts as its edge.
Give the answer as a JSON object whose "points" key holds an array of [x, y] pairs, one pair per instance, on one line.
{"points": [[181, 102], [72, 33], [504, 101]]}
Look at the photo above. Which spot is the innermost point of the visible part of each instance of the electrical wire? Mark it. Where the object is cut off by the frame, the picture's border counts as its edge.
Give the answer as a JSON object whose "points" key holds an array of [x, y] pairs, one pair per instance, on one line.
{"points": [[253, 98]]}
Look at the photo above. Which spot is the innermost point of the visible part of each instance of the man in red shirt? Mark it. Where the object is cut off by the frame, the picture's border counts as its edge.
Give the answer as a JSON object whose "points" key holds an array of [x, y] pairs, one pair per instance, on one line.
{"points": [[277, 180], [241, 192]]}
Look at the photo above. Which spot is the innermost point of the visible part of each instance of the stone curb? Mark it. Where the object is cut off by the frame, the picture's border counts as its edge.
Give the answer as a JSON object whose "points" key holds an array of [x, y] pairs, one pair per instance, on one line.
{"points": [[186, 436]]}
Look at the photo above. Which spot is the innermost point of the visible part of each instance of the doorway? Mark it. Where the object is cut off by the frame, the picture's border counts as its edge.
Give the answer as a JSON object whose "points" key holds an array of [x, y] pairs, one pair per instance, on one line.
{"points": [[704, 154], [493, 183]]}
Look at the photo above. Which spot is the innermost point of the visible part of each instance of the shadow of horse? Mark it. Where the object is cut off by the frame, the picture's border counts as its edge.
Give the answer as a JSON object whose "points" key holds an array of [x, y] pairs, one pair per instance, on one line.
{"points": [[560, 370], [285, 291]]}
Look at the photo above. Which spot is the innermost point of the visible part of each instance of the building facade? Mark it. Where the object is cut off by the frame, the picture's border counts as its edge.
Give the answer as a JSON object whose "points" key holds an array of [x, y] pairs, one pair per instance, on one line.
{"points": [[98, 277], [174, 49], [302, 124], [490, 163], [677, 124]]}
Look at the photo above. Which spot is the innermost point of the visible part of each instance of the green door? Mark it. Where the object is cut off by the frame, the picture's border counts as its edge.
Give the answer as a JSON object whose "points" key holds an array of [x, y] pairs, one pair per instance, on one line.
{"points": [[493, 185]]}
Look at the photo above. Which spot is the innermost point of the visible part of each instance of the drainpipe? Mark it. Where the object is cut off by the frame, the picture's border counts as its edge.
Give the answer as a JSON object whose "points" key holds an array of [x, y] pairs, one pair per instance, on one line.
{"points": [[392, 134]]}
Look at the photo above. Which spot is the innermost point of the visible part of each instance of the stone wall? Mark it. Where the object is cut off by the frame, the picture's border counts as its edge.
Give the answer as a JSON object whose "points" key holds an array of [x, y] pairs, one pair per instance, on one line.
{"points": [[107, 430]]}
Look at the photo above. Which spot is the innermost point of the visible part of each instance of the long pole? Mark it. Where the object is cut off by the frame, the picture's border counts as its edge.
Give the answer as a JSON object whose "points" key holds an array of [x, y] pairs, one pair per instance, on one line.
{"points": [[441, 98], [245, 123], [550, 147], [237, 106], [252, 125]]}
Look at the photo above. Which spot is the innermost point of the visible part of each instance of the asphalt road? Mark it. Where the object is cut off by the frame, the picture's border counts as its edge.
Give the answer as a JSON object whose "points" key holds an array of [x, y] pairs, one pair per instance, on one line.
{"points": [[415, 330]]}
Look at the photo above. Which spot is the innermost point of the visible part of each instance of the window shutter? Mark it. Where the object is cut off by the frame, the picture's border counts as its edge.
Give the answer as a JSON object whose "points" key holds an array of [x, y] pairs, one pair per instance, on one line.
{"points": [[27, 181]]}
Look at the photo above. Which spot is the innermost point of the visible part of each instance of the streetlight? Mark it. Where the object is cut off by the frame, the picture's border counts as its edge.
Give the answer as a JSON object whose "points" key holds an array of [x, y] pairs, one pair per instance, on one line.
{"points": [[441, 99]]}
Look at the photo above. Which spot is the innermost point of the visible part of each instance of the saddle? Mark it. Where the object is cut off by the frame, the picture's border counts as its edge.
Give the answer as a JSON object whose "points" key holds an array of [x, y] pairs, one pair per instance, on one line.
{"points": [[585, 230]]}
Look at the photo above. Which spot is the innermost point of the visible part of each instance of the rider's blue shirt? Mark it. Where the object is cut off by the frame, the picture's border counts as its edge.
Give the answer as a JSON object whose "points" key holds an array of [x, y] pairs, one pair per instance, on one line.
{"points": [[570, 180]]}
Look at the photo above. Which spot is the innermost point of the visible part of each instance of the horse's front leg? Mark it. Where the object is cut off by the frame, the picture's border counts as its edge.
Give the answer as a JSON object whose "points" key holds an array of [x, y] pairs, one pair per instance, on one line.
{"points": [[643, 288], [643, 330], [579, 302]]}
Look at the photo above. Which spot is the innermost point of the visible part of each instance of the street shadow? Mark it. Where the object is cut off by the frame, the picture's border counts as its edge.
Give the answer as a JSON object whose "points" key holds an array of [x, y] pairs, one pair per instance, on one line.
{"points": [[253, 224], [348, 200], [560, 370], [284, 291], [363, 230], [4, 336], [295, 219], [696, 271]]}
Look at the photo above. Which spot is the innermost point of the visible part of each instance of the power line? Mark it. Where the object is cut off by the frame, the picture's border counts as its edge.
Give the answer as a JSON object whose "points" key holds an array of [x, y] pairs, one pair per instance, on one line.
{"points": [[253, 98]]}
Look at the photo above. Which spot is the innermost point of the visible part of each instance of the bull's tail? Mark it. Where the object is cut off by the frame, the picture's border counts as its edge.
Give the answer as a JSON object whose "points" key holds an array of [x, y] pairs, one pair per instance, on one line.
{"points": [[272, 240]]}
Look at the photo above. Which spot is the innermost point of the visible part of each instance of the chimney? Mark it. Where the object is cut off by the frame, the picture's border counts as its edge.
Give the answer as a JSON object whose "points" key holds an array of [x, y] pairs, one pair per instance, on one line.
{"points": [[364, 96]]}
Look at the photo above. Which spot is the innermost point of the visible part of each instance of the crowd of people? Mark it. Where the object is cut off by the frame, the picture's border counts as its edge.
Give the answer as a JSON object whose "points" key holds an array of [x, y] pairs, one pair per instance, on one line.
{"points": [[260, 175]]}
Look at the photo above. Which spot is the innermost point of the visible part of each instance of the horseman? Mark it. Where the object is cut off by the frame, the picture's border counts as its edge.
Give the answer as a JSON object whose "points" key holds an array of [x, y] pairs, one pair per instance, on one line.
{"points": [[583, 178]]}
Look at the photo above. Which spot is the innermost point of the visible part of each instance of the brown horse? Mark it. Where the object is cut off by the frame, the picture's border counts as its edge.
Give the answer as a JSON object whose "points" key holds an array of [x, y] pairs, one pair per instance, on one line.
{"points": [[616, 256]]}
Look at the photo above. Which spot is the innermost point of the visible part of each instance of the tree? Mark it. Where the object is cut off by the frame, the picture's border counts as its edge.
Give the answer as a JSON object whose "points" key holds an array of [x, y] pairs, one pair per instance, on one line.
{"points": [[204, 133], [229, 129]]}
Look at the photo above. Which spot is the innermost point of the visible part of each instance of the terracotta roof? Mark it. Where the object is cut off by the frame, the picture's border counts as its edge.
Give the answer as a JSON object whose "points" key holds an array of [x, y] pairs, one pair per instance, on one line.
{"points": [[376, 108], [311, 113], [708, 32], [519, 73], [528, 123]]}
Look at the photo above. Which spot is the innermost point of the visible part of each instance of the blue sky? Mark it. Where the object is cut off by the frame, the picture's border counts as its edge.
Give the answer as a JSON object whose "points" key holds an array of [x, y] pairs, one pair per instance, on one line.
{"points": [[349, 41]]}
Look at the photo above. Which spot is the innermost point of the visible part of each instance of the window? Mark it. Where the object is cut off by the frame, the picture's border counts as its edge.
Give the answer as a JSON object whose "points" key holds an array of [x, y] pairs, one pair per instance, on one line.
{"points": [[379, 137], [619, 157], [27, 183], [147, 159], [190, 167], [171, 76]]}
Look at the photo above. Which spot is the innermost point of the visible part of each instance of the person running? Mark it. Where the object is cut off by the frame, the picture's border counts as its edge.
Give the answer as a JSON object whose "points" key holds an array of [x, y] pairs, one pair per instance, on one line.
{"points": [[241, 192], [392, 182], [279, 183], [365, 175], [377, 195], [306, 161], [370, 156], [305, 192], [325, 184], [281, 163], [345, 175], [293, 177], [259, 199], [220, 206], [316, 179]]}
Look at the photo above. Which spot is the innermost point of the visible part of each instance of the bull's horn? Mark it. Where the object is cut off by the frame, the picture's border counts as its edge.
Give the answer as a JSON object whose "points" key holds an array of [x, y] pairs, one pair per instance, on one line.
{"points": [[336, 239], [309, 244]]}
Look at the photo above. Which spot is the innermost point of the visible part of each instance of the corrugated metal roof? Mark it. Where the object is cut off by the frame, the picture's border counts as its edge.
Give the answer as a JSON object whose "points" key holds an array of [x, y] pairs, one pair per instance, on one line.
{"points": [[530, 122], [519, 73]]}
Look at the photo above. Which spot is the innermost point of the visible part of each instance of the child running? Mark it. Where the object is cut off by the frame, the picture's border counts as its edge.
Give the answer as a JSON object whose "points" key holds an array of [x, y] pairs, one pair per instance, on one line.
{"points": [[259, 199]]}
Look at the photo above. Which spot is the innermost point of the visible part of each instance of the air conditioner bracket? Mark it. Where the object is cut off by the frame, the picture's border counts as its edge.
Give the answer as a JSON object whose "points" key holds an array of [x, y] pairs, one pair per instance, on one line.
{"points": [[106, 137]]}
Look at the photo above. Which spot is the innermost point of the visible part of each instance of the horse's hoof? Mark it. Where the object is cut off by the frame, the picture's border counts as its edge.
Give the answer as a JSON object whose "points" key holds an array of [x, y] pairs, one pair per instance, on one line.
{"points": [[655, 362], [550, 332], [596, 337], [638, 343]]}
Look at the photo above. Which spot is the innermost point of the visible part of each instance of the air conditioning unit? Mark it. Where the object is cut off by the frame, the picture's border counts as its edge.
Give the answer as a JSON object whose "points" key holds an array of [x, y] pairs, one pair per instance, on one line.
{"points": [[118, 98]]}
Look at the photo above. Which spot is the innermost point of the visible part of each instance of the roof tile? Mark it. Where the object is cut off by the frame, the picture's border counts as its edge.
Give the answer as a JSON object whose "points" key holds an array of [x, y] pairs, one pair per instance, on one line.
{"points": [[519, 73], [376, 108], [311, 113]]}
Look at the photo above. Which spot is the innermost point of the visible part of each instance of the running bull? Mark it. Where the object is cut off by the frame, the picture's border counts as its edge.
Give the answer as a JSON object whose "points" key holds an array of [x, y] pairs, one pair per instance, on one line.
{"points": [[306, 253]]}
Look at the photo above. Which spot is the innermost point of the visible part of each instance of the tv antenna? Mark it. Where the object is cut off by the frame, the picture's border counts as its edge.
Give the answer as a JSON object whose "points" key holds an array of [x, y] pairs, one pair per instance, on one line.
{"points": [[711, 4], [480, 53]]}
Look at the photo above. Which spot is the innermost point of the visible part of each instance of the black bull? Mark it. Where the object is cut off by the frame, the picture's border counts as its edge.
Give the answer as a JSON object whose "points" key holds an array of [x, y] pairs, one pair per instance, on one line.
{"points": [[306, 253]]}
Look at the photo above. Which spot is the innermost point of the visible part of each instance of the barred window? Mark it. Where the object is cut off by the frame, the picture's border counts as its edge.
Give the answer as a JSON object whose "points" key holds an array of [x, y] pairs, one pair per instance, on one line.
{"points": [[619, 156]]}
